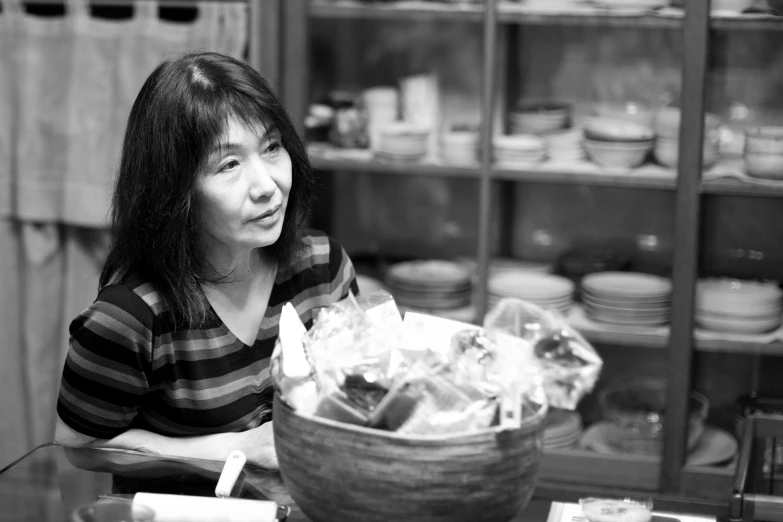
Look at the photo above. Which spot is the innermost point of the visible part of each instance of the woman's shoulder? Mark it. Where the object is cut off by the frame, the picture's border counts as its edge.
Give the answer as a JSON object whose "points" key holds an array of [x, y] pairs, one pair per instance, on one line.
{"points": [[134, 296], [319, 251]]}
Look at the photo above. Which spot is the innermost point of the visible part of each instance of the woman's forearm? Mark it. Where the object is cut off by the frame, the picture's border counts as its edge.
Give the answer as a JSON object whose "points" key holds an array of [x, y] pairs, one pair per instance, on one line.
{"points": [[209, 447], [257, 444]]}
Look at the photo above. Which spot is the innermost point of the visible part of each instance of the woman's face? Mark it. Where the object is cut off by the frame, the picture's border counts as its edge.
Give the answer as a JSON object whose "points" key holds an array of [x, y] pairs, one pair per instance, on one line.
{"points": [[243, 194]]}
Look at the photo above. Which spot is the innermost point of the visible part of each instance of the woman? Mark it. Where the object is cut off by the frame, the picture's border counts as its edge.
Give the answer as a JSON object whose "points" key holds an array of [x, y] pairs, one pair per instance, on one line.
{"points": [[207, 246]]}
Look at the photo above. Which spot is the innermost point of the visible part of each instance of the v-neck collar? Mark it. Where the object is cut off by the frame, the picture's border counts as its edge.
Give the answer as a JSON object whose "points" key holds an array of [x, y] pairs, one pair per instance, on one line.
{"points": [[264, 320]]}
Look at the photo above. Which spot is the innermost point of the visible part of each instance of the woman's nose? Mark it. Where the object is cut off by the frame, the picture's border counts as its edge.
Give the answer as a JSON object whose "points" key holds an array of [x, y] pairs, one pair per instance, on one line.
{"points": [[262, 182]]}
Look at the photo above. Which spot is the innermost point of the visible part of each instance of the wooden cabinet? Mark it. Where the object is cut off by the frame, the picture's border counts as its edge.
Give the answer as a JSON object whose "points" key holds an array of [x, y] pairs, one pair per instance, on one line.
{"points": [[668, 215]]}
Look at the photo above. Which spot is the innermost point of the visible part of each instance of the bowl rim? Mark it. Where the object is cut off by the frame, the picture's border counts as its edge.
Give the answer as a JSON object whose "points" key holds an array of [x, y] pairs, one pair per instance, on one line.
{"points": [[765, 133], [701, 399], [528, 422], [542, 106]]}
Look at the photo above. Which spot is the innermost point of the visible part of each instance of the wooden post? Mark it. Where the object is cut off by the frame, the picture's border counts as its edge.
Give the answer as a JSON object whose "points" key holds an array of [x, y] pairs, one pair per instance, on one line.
{"points": [[265, 44], [695, 43], [295, 83], [485, 180]]}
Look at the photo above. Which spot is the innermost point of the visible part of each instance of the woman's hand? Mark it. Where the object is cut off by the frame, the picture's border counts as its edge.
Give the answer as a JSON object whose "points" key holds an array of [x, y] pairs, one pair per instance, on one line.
{"points": [[258, 446]]}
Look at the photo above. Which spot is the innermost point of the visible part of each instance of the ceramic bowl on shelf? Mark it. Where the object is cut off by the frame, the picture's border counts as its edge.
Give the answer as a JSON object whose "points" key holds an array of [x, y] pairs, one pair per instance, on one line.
{"points": [[612, 130], [625, 155], [731, 6], [540, 117], [667, 152], [630, 111], [636, 411], [764, 140], [666, 123], [767, 166]]}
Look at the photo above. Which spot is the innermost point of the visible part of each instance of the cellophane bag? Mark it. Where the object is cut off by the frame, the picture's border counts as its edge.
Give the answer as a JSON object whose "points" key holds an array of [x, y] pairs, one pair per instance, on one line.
{"points": [[568, 365]]}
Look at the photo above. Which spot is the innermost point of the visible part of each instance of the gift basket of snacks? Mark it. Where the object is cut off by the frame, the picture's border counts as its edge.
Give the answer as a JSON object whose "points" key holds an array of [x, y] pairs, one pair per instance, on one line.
{"points": [[377, 418]]}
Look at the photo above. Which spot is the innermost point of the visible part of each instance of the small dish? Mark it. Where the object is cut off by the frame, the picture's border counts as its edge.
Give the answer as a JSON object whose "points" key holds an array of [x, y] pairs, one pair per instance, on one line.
{"points": [[616, 510]]}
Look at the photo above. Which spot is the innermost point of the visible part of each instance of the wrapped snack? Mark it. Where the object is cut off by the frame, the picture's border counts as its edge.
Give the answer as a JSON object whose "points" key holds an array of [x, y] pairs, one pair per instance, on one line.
{"points": [[427, 401], [291, 368], [355, 354], [569, 366]]}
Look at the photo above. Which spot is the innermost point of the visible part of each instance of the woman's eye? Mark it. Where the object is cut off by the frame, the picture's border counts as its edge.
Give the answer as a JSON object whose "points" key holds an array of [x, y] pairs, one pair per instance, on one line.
{"points": [[274, 146], [229, 165]]}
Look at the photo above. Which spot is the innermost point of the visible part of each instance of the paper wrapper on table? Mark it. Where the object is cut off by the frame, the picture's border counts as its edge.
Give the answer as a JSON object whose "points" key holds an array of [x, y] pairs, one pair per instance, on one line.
{"points": [[188, 508], [568, 365]]}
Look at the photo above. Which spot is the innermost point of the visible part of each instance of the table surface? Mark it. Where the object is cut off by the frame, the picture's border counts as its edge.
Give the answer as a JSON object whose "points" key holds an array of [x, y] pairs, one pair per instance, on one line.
{"points": [[48, 483]]}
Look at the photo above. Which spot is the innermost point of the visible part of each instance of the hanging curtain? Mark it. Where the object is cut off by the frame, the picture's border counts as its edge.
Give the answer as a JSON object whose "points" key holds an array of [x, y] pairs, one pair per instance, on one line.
{"points": [[66, 88]]}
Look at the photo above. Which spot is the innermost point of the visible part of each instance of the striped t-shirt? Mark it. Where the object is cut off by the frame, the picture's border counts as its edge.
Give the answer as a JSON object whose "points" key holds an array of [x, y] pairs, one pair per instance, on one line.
{"points": [[128, 367]]}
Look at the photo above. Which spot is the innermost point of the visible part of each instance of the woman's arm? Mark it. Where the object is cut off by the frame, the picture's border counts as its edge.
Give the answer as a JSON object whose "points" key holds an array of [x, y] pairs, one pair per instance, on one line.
{"points": [[257, 444]]}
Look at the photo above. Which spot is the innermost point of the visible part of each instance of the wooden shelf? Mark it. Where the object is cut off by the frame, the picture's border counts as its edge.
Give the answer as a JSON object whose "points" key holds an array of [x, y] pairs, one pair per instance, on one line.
{"points": [[749, 22], [733, 187], [709, 483], [588, 17], [411, 11], [596, 469], [740, 347], [654, 178], [378, 167]]}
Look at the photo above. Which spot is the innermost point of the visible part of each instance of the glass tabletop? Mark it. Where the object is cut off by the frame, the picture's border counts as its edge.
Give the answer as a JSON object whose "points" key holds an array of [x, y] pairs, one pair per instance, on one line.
{"points": [[48, 483]]}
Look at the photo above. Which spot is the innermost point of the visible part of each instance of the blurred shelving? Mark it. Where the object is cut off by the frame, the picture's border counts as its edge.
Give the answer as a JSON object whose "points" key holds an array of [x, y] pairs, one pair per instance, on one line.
{"points": [[419, 11]]}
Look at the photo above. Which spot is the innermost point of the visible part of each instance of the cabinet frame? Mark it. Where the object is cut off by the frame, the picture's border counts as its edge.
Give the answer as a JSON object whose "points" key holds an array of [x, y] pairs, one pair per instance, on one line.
{"points": [[671, 481]]}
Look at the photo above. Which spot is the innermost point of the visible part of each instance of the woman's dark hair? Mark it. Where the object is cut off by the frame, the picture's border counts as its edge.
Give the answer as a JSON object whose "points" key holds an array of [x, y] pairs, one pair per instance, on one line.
{"points": [[181, 112]]}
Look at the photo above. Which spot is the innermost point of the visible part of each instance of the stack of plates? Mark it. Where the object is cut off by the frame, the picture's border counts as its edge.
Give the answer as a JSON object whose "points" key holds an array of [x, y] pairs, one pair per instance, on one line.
{"points": [[562, 429], [540, 117], [518, 149], [368, 284], [565, 146], [545, 290], [459, 148], [737, 306], [627, 298], [402, 142], [429, 285], [630, 5]]}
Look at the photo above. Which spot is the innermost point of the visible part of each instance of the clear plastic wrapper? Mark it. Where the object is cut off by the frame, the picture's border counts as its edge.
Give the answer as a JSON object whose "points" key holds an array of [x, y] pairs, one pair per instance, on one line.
{"points": [[361, 364], [567, 364]]}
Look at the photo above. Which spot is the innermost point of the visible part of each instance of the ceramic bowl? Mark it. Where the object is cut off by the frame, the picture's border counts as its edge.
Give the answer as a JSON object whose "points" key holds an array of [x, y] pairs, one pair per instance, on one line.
{"points": [[731, 6], [720, 323], [666, 152], [666, 123], [637, 410], [618, 155], [612, 130], [768, 166], [625, 111], [764, 140]]}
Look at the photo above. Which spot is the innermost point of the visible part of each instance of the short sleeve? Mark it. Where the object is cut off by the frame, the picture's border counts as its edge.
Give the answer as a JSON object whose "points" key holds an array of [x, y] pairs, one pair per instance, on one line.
{"points": [[341, 271], [104, 380]]}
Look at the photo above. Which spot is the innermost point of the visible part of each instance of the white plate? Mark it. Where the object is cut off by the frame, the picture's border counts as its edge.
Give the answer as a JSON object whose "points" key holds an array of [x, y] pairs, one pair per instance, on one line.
{"points": [[627, 284], [546, 287], [714, 447], [738, 289], [745, 326], [635, 303], [429, 271], [627, 313], [626, 321], [368, 285]]}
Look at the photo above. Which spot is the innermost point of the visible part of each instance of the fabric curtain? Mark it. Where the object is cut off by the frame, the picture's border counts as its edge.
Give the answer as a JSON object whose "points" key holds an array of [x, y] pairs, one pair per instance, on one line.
{"points": [[66, 88]]}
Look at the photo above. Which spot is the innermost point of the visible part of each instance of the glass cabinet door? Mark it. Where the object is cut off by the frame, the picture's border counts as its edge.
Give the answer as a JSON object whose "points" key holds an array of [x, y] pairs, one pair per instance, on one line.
{"points": [[738, 335]]}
